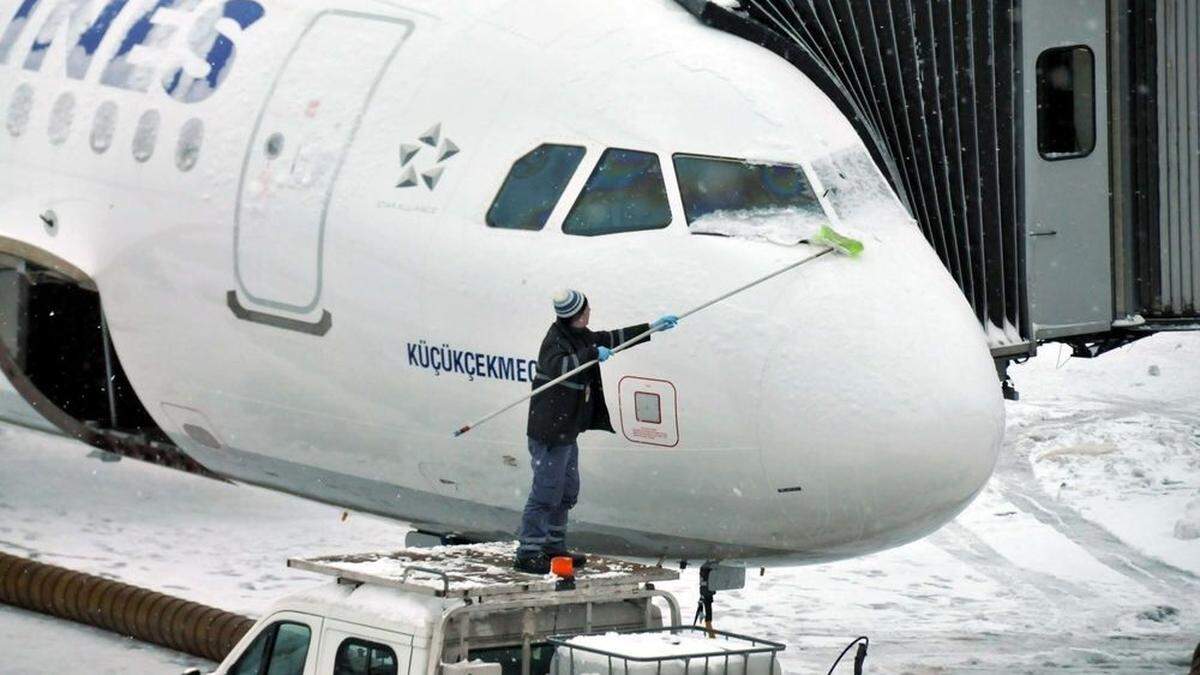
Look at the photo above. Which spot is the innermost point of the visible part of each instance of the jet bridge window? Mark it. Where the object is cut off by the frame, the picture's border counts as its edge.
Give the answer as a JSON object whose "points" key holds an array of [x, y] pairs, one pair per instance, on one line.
{"points": [[1066, 102], [734, 188], [533, 186], [357, 657], [625, 193]]}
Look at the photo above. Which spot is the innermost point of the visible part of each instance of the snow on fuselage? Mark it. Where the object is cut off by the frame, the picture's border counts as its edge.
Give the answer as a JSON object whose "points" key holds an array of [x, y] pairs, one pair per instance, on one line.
{"points": [[842, 408]]}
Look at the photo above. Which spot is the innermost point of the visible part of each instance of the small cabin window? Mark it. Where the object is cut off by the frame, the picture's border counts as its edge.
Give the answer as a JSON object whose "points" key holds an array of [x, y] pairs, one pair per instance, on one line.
{"points": [[62, 116], [280, 649], [733, 187], [1066, 102], [145, 136], [625, 193], [533, 187], [104, 127], [358, 657], [647, 407], [187, 150], [19, 110]]}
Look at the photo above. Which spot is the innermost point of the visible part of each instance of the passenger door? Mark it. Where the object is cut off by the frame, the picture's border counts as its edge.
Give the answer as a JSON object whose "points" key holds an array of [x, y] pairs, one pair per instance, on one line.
{"points": [[284, 646], [291, 167], [355, 649], [1067, 219]]}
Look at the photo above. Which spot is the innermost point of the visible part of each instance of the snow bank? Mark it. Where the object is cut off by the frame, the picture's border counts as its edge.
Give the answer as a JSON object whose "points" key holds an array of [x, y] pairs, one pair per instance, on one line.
{"points": [[1124, 374], [1188, 527], [1133, 474], [1024, 541]]}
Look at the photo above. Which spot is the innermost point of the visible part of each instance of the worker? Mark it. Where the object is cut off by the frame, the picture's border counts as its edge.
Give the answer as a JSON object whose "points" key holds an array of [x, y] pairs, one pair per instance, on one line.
{"points": [[556, 418]]}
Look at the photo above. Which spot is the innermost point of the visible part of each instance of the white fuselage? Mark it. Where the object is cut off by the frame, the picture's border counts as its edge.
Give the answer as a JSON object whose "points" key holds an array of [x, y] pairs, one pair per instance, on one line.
{"points": [[863, 389]]}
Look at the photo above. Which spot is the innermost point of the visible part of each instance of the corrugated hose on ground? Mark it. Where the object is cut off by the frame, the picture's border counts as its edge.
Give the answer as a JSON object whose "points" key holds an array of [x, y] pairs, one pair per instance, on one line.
{"points": [[127, 610]]}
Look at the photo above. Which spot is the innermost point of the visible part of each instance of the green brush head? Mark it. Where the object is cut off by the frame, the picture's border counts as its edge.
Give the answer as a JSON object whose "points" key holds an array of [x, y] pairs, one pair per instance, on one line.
{"points": [[838, 242]]}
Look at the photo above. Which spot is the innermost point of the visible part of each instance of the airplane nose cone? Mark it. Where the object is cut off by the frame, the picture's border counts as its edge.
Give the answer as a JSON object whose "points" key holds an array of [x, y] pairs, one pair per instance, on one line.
{"points": [[881, 416]]}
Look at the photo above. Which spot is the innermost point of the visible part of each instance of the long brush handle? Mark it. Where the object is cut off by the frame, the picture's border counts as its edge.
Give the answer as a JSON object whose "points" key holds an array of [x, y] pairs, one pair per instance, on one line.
{"points": [[757, 281], [630, 342], [633, 340]]}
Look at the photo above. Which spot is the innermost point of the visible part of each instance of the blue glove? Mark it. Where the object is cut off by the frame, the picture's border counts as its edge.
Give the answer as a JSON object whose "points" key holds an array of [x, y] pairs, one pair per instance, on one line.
{"points": [[604, 353], [667, 322]]}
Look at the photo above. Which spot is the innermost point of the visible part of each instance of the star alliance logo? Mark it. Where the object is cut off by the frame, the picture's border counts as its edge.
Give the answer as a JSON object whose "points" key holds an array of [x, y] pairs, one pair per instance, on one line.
{"points": [[442, 148]]}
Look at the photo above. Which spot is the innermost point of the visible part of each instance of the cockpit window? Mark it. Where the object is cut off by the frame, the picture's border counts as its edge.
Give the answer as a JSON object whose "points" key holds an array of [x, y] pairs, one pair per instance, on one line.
{"points": [[715, 185], [533, 186], [624, 193]]}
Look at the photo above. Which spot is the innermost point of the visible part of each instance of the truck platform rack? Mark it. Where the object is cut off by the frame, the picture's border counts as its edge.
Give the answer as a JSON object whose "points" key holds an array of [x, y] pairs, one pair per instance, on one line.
{"points": [[722, 653], [475, 571]]}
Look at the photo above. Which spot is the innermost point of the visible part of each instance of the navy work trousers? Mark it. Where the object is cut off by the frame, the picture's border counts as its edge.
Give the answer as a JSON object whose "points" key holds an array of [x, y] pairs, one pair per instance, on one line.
{"points": [[555, 490]]}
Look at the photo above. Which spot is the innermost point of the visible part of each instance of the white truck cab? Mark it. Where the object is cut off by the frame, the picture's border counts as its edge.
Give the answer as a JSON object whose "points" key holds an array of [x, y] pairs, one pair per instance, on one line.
{"points": [[461, 610]]}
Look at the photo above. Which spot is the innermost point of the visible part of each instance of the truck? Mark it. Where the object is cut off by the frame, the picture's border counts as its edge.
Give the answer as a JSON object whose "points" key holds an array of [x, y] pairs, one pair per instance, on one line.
{"points": [[462, 610]]}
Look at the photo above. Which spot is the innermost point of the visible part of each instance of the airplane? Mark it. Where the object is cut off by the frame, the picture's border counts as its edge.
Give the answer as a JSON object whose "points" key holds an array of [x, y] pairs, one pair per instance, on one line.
{"points": [[325, 234]]}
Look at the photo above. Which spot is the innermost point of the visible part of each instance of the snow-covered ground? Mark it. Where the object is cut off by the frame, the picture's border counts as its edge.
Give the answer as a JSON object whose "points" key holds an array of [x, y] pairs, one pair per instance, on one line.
{"points": [[1081, 555]]}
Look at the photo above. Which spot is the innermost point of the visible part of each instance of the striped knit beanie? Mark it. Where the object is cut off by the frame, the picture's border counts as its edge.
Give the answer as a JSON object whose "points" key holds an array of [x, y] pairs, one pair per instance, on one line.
{"points": [[568, 303]]}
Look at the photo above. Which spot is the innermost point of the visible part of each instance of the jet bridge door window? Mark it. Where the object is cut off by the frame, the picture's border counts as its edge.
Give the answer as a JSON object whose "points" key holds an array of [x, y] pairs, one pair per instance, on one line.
{"points": [[735, 188], [280, 649], [625, 193], [533, 187], [1066, 102]]}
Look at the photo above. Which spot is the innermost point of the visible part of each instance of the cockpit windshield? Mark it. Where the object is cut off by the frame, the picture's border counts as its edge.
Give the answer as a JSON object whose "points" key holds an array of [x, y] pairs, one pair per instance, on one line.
{"points": [[736, 197]]}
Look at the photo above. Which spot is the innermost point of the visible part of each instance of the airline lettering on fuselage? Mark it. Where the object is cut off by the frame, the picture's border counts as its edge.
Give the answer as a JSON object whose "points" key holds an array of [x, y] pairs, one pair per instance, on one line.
{"points": [[208, 32], [445, 359]]}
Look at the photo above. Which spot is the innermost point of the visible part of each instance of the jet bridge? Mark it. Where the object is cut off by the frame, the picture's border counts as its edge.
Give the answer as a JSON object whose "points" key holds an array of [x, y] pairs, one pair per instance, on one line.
{"points": [[1048, 149]]}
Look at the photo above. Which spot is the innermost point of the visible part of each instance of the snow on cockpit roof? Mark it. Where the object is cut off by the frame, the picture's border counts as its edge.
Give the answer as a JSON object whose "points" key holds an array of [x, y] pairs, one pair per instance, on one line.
{"points": [[473, 570]]}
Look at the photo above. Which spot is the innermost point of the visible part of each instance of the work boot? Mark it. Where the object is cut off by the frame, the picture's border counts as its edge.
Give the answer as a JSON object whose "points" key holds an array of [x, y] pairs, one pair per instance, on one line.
{"points": [[578, 559], [533, 563]]}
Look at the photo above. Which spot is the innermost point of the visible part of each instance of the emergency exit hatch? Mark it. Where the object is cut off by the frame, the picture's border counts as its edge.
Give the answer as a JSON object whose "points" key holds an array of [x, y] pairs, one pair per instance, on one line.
{"points": [[649, 411]]}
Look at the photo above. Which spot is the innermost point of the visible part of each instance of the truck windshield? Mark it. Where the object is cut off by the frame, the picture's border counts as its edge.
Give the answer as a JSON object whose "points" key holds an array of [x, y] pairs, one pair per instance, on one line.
{"points": [[716, 188]]}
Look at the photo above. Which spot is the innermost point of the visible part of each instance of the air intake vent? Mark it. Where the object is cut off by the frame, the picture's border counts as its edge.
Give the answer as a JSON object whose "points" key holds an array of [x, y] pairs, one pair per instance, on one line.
{"points": [[932, 86]]}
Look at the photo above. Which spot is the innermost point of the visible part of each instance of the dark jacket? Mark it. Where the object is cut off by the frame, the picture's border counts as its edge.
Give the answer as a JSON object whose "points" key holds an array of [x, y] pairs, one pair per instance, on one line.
{"points": [[562, 412]]}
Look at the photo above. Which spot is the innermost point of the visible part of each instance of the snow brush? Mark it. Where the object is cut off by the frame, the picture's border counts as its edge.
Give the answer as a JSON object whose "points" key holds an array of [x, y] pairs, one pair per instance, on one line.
{"points": [[832, 241]]}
